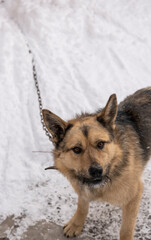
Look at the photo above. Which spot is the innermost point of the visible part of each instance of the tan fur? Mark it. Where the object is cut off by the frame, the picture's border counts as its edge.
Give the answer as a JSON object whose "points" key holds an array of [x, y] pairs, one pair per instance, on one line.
{"points": [[123, 189]]}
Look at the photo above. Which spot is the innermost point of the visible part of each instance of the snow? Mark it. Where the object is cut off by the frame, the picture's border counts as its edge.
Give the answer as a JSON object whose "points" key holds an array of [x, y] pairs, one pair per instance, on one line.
{"points": [[84, 51]]}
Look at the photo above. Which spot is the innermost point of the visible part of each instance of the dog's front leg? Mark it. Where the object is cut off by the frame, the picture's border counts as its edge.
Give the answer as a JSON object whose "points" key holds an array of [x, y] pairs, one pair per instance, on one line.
{"points": [[75, 225], [129, 216]]}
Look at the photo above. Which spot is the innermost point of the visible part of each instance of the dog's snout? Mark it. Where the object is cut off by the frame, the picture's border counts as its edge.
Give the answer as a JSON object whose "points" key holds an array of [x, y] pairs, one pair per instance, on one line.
{"points": [[95, 171]]}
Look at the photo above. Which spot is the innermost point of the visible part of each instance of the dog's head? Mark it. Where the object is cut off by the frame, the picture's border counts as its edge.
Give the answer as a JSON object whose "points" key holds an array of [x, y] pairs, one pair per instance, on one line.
{"points": [[85, 147]]}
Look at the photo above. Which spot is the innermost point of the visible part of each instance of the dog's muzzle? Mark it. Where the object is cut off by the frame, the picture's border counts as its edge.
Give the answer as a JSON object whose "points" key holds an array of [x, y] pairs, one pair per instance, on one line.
{"points": [[95, 178]]}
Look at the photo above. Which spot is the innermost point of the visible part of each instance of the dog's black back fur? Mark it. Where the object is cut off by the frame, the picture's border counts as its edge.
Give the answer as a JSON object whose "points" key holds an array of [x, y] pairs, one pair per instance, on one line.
{"points": [[135, 111]]}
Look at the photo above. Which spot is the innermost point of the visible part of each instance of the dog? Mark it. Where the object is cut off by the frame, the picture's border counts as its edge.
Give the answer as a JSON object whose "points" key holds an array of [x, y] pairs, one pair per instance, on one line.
{"points": [[103, 155]]}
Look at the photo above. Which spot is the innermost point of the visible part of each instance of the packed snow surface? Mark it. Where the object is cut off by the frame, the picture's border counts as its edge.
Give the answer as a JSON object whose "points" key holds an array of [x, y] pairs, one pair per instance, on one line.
{"points": [[84, 51]]}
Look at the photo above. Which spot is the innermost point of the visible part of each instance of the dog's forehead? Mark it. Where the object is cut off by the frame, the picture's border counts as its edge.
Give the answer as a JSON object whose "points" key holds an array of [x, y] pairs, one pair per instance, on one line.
{"points": [[90, 129], [84, 121]]}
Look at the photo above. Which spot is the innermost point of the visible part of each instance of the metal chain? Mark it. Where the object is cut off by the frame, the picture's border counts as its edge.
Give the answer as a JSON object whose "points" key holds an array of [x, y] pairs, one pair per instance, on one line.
{"points": [[38, 94], [36, 84]]}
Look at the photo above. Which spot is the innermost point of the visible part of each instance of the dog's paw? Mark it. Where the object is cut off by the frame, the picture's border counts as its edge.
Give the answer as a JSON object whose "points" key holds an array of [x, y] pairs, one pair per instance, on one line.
{"points": [[71, 229]]}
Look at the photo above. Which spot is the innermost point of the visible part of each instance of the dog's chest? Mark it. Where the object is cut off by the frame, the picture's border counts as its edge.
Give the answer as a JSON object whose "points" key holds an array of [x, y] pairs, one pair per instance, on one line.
{"points": [[113, 195]]}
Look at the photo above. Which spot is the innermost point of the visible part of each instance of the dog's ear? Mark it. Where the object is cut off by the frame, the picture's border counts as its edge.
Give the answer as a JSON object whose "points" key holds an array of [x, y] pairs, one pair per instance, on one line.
{"points": [[109, 113], [55, 125]]}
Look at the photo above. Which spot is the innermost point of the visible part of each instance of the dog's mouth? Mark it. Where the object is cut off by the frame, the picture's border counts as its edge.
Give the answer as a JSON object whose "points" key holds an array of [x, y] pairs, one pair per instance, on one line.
{"points": [[94, 181], [90, 181], [86, 180]]}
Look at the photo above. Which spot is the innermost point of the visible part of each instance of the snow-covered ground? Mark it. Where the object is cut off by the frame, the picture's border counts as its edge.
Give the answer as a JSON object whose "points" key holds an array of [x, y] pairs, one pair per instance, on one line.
{"points": [[84, 51]]}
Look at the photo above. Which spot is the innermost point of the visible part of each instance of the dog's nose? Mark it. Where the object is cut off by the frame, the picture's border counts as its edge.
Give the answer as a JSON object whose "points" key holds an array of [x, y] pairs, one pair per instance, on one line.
{"points": [[95, 171]]}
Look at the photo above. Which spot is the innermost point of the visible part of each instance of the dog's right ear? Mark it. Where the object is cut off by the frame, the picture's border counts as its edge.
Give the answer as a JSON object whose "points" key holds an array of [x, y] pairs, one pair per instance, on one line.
{"points": [[109, 113], [55, 125]]}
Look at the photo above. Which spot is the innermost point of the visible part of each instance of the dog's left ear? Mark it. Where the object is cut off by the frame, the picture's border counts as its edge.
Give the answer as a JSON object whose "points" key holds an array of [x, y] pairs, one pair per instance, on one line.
{"points": [[109, 113], [55, 125]]}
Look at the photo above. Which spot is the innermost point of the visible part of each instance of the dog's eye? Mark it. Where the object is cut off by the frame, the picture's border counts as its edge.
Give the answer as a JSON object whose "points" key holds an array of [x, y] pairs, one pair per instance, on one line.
{"points": [[100, 145], [77, 150]]}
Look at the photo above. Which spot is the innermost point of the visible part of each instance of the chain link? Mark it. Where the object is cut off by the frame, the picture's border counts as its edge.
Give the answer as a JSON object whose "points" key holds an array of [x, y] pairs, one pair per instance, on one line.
{"points": [[38, 94]]}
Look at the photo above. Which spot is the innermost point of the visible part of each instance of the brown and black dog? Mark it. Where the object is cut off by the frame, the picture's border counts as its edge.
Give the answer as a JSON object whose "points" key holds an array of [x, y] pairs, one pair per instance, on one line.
{"points": [[103, 156]]}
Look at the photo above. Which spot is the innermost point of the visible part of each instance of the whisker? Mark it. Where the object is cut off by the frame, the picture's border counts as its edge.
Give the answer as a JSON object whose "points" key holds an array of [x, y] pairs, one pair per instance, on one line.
{"points": [[52, 167], [41, 151]]}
